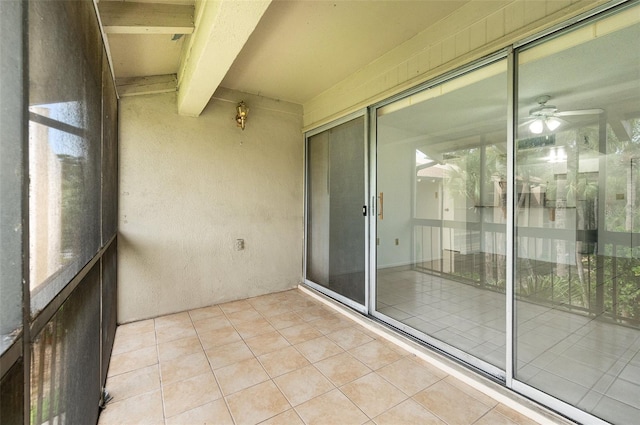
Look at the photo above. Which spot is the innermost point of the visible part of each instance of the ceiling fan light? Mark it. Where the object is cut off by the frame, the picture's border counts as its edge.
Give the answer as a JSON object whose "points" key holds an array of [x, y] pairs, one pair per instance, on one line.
{"points": [[536, 127], [553, 123]]}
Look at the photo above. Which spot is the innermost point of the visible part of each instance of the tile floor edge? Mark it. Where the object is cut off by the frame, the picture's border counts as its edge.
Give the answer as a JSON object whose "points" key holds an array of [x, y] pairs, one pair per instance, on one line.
{"points": [[497, 392]]}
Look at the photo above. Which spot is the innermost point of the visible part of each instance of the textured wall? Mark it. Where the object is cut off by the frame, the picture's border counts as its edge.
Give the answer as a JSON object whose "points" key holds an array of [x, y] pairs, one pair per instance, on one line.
{"points": [[475, 30], [189, 187]]}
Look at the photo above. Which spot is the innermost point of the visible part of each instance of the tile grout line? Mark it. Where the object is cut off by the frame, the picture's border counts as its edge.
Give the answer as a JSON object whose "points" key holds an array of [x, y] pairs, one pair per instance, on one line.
{"points": [[408, 397], [312, 364], [164, 409], [273, 380], [485, 414], [430, 358], [411, 396], [371, 371], [114, 401], [256, 357], [192, 322], [312, 323], [224, 397]]}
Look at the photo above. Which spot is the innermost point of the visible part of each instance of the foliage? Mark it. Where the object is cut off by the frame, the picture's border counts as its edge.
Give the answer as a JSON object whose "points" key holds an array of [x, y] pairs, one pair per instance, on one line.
{"points": [[574, 181], [463, 176]]}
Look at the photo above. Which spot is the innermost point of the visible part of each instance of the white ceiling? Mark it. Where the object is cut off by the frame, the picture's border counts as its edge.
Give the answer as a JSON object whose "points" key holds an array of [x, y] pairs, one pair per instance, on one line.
{"points": [[299, 49], [302, 48], [142, 55]]}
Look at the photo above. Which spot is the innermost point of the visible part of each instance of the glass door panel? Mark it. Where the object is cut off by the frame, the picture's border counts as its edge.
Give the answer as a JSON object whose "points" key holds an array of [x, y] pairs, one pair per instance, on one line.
{"points": [[336, 224], [577, 265], [441, 182]]}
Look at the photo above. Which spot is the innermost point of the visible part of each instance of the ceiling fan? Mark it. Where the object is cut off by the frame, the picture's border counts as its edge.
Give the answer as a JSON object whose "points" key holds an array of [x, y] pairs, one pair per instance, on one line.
{"points": [[548, 115]]}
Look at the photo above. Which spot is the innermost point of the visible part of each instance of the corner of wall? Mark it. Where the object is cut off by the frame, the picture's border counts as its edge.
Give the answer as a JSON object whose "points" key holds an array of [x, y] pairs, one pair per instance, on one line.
{"points": [[190, 187]]}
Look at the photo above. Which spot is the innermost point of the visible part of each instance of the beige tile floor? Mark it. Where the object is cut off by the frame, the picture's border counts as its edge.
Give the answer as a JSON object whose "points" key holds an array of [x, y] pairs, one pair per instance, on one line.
{"points": [[282, 358], [586, 361]]}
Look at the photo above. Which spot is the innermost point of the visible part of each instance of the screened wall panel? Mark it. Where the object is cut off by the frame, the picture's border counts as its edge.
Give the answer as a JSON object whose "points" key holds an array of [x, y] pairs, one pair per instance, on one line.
{"points": [[65, 130], [12, 395], [109, 154], [109, 305], [11, 171], [70, 154], [65, 359]]}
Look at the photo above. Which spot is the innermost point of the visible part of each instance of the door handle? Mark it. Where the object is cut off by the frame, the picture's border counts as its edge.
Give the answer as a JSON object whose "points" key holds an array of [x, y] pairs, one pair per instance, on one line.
{"points": [[381, 209], [364, 210]]}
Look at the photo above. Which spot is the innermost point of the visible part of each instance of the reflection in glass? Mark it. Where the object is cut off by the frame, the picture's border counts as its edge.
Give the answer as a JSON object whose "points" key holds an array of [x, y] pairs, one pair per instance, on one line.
{"points": [[335, 223], [577, 278], [441, 249]]}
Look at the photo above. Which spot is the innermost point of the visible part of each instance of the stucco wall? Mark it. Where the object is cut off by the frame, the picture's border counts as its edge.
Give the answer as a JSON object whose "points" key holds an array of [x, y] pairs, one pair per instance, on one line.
{"points": [[477, 29], [189, 187]]}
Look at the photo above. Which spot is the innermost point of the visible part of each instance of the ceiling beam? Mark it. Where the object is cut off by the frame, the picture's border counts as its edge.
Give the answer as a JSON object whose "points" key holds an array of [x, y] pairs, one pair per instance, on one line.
{"points": [[620, 127], [134, 86], [146, 18], [223, 28]]}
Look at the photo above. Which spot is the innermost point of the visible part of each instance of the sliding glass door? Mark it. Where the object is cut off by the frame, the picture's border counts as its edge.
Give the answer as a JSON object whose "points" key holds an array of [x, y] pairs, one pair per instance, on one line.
{"points": [[441, 174], [504, 215], [577, 178], [336, 211]]}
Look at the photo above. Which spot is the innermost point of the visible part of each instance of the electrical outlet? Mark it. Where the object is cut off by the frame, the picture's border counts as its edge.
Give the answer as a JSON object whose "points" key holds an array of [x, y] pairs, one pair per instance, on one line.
{"points": [[239, 244], [397, 241]]}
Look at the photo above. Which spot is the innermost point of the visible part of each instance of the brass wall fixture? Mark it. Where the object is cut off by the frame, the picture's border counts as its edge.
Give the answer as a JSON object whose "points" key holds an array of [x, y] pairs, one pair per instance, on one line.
{"points": [[241, 115]]}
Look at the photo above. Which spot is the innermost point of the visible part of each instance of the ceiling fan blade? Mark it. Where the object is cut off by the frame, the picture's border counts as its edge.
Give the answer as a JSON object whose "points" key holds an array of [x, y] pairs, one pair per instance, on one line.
{"points": [[579, 112]]}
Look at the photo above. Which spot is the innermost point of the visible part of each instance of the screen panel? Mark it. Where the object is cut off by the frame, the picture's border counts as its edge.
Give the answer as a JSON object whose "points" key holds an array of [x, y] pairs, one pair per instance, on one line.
{"points": [[65, 359], [65, 114], [335, 222]]}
